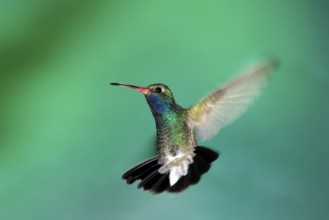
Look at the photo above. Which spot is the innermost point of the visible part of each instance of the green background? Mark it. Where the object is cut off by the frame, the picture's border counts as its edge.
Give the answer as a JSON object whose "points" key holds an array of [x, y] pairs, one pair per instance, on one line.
{"points": [[66, 136]]}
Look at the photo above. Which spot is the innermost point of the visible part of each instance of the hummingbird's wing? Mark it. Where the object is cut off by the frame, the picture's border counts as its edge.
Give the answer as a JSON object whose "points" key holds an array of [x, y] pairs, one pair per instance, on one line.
{"points": [[228, 102]]}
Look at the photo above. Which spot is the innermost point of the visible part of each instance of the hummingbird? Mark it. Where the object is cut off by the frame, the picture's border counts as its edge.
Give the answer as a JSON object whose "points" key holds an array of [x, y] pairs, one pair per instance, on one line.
{"points": [[180, 161]]}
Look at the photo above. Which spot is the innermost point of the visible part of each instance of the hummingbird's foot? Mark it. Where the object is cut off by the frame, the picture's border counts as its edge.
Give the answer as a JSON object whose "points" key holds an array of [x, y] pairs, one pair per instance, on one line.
{"points": [[177, 166]]}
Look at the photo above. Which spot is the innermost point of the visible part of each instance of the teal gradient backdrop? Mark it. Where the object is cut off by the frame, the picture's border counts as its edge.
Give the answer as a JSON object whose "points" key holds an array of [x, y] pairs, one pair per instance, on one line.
{"points": [[66, 136]]}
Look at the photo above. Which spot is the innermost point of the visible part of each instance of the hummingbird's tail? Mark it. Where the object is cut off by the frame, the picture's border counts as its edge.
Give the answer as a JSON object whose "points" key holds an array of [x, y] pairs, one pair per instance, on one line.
{"points": [[156, 182]]}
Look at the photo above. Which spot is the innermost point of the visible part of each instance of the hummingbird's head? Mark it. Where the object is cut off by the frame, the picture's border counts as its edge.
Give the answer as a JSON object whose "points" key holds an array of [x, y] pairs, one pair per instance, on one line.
{"points": [[158, 96]]}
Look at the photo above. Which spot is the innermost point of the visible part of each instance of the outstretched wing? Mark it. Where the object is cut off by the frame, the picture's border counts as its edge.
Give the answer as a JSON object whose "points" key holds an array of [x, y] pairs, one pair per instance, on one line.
{"points": [[228, 102]]}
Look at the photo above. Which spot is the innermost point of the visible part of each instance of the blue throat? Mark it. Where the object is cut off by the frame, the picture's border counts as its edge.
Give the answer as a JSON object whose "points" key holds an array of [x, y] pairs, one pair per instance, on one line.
{"points": [[157, 105]]}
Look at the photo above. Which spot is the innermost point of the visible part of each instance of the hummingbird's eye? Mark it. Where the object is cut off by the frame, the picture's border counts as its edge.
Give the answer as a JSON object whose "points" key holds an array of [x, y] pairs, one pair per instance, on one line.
{"points": [[158, 89]]}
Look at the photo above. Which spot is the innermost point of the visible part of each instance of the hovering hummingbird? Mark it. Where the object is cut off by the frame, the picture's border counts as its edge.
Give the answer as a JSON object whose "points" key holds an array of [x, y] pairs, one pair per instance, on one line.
{"points": [[180, 161]]}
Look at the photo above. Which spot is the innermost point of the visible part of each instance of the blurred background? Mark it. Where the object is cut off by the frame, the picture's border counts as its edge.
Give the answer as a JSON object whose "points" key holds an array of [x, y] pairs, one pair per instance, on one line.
{"points": [[66, 136]]}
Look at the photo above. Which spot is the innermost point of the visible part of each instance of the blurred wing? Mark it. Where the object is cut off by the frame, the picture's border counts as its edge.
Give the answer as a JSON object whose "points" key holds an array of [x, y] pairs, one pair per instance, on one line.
{"points": [[227, 103]]}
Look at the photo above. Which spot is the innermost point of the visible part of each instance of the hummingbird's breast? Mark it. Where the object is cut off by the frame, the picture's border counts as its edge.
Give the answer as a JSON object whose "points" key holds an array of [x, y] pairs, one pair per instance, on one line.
{"points": [[176, 143], [175, 134]]}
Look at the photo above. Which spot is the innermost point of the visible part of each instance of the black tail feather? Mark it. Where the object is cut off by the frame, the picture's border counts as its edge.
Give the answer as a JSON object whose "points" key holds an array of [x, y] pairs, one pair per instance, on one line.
{"points": [[147, 172], [161, 185], [202, 165], [156, 182], [207, 154], [194, 173], [143, 168], [149, 180]]}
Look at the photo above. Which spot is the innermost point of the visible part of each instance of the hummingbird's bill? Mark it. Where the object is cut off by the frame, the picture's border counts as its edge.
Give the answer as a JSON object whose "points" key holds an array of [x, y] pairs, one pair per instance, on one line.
{"points": [[141, 89]]}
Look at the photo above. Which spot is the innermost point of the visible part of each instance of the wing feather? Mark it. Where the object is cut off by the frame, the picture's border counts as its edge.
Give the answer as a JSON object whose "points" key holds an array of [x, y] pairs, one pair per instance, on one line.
{"points": [[227, 103]]}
